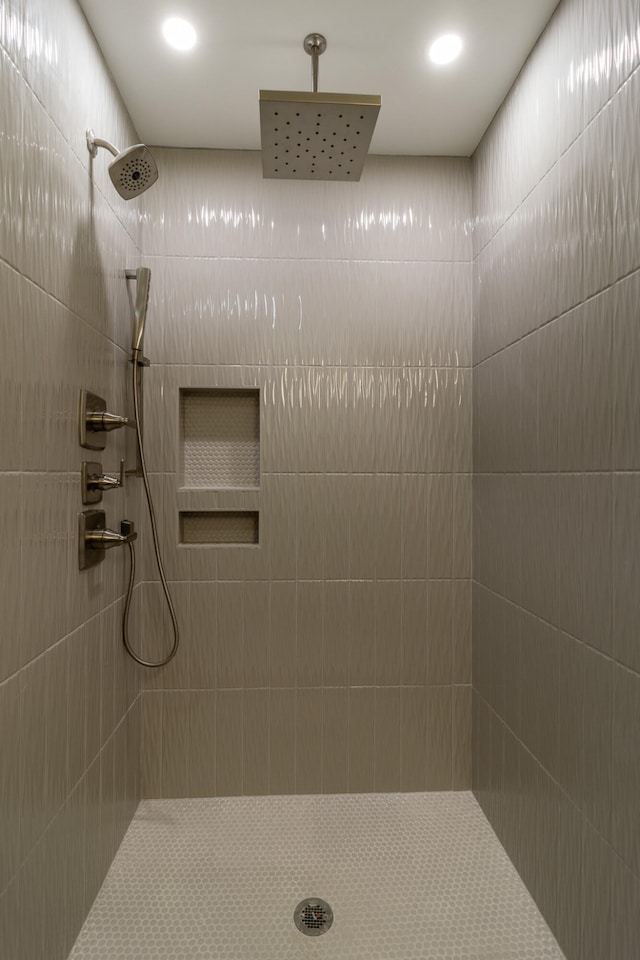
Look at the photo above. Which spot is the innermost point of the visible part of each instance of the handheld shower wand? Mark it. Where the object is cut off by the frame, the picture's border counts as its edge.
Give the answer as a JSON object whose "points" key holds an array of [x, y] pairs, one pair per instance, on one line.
{"points": [[143, 280]]}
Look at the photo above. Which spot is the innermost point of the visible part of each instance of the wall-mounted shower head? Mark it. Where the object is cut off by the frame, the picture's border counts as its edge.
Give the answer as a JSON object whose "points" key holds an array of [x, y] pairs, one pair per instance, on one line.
{"points": [[132, 172]]}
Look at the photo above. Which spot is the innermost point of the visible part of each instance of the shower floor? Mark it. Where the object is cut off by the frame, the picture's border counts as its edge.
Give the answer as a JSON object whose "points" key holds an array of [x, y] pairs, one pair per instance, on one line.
{"points": [[409, 877]]}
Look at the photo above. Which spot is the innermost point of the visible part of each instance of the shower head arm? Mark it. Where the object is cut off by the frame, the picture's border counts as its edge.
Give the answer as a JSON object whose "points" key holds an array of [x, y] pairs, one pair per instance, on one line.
{"points": [[94, 142], [314, 44]]}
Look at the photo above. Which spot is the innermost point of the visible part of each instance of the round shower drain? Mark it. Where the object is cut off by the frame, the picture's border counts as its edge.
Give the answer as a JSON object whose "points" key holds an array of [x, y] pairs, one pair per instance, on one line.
{"points": [[313, 917]]}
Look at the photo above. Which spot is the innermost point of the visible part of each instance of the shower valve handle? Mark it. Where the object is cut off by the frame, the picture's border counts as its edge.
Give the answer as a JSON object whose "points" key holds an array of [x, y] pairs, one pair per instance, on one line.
{"points": [[106, 481], [105, 538], [103, 420]]}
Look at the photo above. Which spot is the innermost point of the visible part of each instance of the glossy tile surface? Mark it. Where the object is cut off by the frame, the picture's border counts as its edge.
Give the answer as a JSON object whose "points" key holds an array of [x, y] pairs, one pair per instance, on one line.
{"points": [[432, 858], [555, 418], [69, 765], [353, 321]]}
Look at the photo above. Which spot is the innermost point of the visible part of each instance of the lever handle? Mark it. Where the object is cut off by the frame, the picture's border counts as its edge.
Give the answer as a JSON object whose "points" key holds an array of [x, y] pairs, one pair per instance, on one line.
{"points": [[103, 420], [106, 481], [105, 539]]}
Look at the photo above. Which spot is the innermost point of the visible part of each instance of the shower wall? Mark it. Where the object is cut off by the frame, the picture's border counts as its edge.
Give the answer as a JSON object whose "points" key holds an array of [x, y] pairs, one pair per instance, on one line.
{"points": [[556, 658], [69, 711], [334, 656]]}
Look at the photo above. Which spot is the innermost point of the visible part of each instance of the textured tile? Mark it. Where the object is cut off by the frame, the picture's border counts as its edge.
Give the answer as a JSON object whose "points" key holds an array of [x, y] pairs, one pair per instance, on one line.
{"points": [[282, 741], [335, 747], [625, 912], [597, 734], [165, 835], [625, 776], [361, 739], [626, 364], [255, 742], [626, 600], [598, 860], [627, 165]]}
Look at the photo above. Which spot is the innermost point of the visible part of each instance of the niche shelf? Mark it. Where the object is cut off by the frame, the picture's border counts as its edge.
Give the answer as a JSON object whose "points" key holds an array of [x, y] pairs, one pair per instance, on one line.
{"points": [[220, 438], [219, 527]]}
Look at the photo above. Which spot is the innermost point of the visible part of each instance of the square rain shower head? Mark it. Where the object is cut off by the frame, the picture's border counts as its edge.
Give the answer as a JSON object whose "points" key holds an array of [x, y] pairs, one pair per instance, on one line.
{"points": [[315, 136]]}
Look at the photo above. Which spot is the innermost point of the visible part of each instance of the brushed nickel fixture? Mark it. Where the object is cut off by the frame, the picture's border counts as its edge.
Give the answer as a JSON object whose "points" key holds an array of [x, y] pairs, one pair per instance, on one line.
{"points": [[95, 421], [94, 537], [93, 481], [315, 136], [142, 277], [132, 172]]}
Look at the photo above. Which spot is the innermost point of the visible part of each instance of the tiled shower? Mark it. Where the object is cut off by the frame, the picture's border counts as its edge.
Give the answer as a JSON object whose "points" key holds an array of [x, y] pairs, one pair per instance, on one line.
{"points": [[444, 595]]}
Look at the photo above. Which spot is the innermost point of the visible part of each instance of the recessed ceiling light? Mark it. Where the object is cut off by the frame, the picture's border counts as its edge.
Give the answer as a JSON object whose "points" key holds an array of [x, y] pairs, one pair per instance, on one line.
{"points": [[445, 48], [179, 33]]}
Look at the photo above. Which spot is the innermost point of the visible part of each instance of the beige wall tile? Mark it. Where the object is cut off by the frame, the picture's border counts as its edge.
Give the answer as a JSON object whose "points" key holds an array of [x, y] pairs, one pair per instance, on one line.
{"points": [[202, 743], [361, 739], [309, 740], [229, 717], [461, 720], [414, 738], [388, 739], [439, 716], [335, 743], [282, 742], [255, 744]]}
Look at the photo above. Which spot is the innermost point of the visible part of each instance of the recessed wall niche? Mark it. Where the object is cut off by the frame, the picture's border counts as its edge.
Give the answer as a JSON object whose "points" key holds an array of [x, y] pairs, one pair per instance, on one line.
{"points": [[221, 527], [220, 438]]}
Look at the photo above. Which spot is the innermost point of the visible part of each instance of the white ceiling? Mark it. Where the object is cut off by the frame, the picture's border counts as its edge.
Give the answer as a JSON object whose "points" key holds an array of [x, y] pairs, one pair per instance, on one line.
{"points": [[209, 96]]}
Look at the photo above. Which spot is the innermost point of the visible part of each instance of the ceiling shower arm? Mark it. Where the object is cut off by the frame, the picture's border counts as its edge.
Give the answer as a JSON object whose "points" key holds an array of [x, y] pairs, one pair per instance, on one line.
{"points": [[314, 44]]}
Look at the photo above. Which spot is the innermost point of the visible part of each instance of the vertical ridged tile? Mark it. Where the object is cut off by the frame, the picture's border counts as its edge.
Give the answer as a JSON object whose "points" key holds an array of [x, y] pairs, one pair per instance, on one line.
{"points": [[283, 634], [335, 745], [626, 770], [10, 781], [230, 633], [362, 608], [336, 634], [626, 365], [388, 632], [388, 740], [202, 743], [257, 638], [175, 744], [626, 599], [202, 648], [439, 631], [461, 723], [625, 912], [151, 752], [414, 632], [597, 863], [598, 203], [309, 741], [414, 733], [229, 713], [361, 739], [282, 741], [596, 736], [255, 745], [10, 571], [439, 737], [309, 633]]}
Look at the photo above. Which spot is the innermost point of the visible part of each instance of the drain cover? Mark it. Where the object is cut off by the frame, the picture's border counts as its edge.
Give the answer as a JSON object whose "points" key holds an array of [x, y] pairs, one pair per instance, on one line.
{"points": [[313, 916]]}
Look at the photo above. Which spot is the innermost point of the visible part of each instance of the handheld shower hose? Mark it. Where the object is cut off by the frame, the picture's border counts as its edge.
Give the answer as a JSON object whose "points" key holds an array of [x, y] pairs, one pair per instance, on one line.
{"points": [[143, 277]]}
